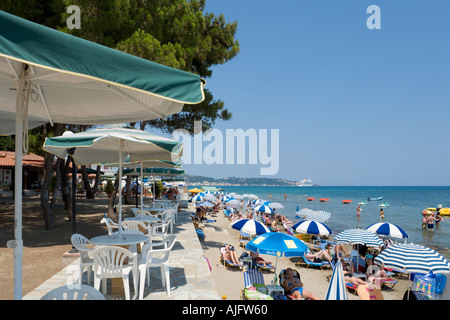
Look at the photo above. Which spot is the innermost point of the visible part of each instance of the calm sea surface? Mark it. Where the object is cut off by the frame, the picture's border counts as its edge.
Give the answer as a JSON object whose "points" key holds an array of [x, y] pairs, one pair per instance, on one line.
{"points": [[405, 208]]}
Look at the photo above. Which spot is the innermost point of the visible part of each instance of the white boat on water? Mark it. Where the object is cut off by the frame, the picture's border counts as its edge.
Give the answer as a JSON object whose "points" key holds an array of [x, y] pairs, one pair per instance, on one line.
{"points": [[305, 183]]}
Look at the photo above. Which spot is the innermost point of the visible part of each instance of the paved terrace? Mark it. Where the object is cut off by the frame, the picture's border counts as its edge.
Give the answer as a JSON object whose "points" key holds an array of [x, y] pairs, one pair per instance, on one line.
{"points": [[190, 277]]}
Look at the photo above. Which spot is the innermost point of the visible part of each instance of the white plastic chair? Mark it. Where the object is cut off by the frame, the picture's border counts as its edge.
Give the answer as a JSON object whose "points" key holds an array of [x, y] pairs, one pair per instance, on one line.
{"points": [[156, 258], [110, 262], [160, 229], [74, 292], [128, 225], [110, 224], [81, 243]]}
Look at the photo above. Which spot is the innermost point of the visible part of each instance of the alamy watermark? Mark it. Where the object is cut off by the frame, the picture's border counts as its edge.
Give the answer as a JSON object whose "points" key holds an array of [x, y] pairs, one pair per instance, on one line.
{"points": [[236, 146]]}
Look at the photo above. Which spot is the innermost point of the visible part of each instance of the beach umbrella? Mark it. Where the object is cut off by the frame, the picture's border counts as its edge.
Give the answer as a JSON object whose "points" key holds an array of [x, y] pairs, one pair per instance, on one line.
{"points": [[110, 144], [197, 198], [359, 236], [250, 226], [312, 227], [232, 202], [225, 198], [251, 196], [411, 258], [103, 145], [336, 288], [387, 229], [257, 202], [204, 204], [195, 190], [48, 76], [263, 209], [210, 197], [276, 205], [276, 244]]}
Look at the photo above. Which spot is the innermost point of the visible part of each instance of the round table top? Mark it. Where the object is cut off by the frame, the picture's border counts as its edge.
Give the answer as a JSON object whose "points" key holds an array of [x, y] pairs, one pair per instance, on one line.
{"points": [[143, 218], [118, 240]]}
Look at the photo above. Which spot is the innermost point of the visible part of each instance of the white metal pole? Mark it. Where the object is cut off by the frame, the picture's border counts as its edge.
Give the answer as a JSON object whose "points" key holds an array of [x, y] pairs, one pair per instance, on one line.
{"points": [[120, 187], [17, 243]]}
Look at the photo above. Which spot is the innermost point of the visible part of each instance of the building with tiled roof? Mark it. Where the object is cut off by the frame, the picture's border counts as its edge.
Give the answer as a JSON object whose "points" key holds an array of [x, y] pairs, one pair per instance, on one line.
{"points": [[32, 169]]}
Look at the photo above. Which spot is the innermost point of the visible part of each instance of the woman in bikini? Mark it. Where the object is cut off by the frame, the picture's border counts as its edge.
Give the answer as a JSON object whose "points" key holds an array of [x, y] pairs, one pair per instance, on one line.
{"points": [[294, 287]]}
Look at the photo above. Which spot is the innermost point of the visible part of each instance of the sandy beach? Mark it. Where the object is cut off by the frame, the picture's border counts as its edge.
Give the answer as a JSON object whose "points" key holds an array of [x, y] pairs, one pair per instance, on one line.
{"points": [[43, 251]]}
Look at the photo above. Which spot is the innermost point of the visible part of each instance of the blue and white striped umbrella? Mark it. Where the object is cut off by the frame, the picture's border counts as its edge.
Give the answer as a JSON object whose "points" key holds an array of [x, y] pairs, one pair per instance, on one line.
{"points": [[412, 258], [197, 198], [312, 227], [263, 209], [250, 226], [359, 236], [336, 288], [387, 229], [225, 198], [308, 214], [257, 202]]}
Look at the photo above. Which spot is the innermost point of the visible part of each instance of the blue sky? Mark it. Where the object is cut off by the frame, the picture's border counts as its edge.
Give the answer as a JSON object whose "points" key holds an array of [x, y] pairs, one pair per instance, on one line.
{"points": [[353, 106]]}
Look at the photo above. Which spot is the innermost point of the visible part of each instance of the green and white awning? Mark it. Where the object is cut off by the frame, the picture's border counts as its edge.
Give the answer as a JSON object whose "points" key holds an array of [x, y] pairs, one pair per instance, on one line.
{"points": [[76, 81], [101, 146]]}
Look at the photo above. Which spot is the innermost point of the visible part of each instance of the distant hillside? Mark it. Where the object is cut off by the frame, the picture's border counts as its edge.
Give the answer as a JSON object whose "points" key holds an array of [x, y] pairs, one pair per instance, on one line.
{"points": [[194, 179]]}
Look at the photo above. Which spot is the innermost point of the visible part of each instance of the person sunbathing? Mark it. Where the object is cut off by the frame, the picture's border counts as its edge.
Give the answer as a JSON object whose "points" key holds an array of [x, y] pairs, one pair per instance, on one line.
{"points": [[323, 255], [228, 253], [294, 287], [258, 260], [348, 277]]}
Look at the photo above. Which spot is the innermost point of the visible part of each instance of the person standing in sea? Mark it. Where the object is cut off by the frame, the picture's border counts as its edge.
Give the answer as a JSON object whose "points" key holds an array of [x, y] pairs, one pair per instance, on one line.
{"points": [[358, 210], [381, 214]]}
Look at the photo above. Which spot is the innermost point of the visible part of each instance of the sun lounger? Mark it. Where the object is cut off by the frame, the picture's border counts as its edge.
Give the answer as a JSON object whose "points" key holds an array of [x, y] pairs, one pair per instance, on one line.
{"points": [[310, 263], [281, 278], [352, 288], [254, 287], [229, 264], [244, 238], [261, 267]]}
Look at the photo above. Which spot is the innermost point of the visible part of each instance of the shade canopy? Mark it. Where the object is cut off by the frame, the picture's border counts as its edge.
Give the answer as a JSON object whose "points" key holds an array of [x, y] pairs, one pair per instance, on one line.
{"points": [[359, 236], [387, 229], [250, 226], [336, 288], [101, 146], [153, 171], [277, 244], [312, 227], [410, 258], [76, 81], [263, 209]]}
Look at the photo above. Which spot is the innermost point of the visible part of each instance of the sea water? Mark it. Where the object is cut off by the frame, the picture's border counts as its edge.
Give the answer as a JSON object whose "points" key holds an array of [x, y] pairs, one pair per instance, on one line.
{"points": [[404, 210]]}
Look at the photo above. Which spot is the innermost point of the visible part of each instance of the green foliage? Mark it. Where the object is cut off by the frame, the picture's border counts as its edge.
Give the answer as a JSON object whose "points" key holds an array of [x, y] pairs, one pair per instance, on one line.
{"points": [[109, 189], [158, 189]]}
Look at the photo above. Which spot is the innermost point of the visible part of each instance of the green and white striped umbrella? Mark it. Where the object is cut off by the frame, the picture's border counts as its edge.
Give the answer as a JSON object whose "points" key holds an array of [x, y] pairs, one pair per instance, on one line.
{"points": [[102, 146]]}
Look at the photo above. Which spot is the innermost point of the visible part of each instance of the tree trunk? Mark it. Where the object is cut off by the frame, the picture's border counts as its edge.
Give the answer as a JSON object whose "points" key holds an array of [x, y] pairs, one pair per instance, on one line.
{"points": [[111, 214], [128, 195], [90, 192], [47, 207]]}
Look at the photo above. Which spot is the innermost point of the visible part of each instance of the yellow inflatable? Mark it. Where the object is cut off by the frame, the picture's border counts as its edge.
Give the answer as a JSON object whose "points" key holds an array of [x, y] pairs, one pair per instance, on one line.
{"points": [[444, 212]]}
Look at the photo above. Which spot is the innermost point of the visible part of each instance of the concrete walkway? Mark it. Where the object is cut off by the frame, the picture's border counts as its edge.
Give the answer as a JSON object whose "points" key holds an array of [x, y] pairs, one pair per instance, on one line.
{"points": [[190, 276]]}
